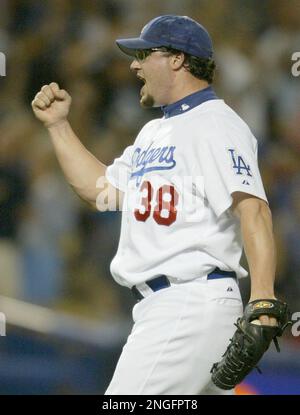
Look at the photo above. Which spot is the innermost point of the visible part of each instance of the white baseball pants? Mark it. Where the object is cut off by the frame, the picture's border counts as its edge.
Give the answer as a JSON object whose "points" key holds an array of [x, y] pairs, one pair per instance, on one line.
{"points": [[178, 333]]}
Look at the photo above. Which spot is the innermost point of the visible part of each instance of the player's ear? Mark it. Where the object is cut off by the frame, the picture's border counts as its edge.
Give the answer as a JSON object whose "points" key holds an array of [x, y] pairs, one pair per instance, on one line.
{"points": [[177, 60]]}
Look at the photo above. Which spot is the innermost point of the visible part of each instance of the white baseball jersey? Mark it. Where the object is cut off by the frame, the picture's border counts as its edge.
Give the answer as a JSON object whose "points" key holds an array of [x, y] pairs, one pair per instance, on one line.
{"points": [[178, 179]]}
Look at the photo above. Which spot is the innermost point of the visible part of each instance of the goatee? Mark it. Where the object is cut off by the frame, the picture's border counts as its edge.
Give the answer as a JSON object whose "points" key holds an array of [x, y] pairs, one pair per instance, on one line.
{"points": [[147, 101]]}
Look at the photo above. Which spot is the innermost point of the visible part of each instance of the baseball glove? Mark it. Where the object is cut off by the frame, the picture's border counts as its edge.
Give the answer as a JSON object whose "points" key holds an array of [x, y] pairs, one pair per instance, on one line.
{"points": [[250, 342]]}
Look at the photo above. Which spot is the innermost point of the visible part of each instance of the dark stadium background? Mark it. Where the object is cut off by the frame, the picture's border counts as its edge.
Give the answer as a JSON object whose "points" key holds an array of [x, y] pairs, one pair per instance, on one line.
{"points": [[66, 317]]}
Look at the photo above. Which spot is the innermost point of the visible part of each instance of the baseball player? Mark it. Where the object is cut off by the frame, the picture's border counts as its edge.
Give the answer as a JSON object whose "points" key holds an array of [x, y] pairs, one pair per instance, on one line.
{"points": [[191, 197]]}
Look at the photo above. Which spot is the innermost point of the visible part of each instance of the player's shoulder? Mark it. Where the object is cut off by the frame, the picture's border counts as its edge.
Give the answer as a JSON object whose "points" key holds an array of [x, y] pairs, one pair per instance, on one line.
{"points": [[218, 114], [217, 119], [150, 125], [148, 129]]}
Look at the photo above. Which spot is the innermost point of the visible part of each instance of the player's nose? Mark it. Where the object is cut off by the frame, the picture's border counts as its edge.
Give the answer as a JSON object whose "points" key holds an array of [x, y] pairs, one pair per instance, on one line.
{"points": [[135, 65]]}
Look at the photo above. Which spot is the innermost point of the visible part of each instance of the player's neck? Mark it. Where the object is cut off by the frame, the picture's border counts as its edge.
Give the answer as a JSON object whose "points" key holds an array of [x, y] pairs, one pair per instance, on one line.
{"points": [[184, 89]]}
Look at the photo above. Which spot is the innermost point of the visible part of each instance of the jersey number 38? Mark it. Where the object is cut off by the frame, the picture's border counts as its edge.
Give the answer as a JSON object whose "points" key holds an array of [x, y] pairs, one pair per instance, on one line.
{"points": [[164, 212]]}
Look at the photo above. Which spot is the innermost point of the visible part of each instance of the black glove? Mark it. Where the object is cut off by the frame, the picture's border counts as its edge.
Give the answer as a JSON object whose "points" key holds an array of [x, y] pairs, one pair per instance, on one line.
{"points": [[250, 342]]}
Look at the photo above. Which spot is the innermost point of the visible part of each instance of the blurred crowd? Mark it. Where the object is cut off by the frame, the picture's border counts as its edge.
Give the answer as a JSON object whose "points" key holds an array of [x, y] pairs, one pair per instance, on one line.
{"points": [[54, 250]]}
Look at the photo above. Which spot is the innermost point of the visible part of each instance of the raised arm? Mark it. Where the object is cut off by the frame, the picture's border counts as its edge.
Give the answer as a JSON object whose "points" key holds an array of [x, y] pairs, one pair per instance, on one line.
{"points": [[82, 170]]}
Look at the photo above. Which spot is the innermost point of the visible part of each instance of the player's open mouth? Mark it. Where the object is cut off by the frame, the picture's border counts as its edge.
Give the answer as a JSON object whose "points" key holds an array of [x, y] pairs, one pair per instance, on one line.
{"points": [[141, 79], [144, 82]]}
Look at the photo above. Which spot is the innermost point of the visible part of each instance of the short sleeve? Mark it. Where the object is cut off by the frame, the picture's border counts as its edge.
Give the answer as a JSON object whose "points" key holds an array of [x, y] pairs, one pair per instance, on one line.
{"points": [[228, 161], [118, 173]]}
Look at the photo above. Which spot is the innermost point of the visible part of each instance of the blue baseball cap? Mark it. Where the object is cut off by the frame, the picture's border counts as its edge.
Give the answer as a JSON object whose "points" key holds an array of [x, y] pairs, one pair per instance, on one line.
{"points": [[176, 32]]}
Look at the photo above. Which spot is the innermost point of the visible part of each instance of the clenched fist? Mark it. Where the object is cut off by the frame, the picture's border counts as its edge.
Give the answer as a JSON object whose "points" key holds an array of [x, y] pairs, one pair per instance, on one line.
{"points": [[51, 105]]}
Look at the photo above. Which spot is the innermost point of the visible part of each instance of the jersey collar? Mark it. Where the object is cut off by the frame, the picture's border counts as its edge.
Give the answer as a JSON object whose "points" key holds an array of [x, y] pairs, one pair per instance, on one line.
{"points": [[189, 102]]}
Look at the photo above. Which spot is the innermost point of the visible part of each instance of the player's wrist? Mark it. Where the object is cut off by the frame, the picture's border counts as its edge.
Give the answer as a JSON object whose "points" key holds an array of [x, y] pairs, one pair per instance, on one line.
{"points": [[56, 124], [263, 295], [261, 292]]}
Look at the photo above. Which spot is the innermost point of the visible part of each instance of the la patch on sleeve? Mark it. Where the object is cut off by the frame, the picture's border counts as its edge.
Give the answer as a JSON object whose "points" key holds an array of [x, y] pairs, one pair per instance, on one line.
{"points": [[240, 166]]}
